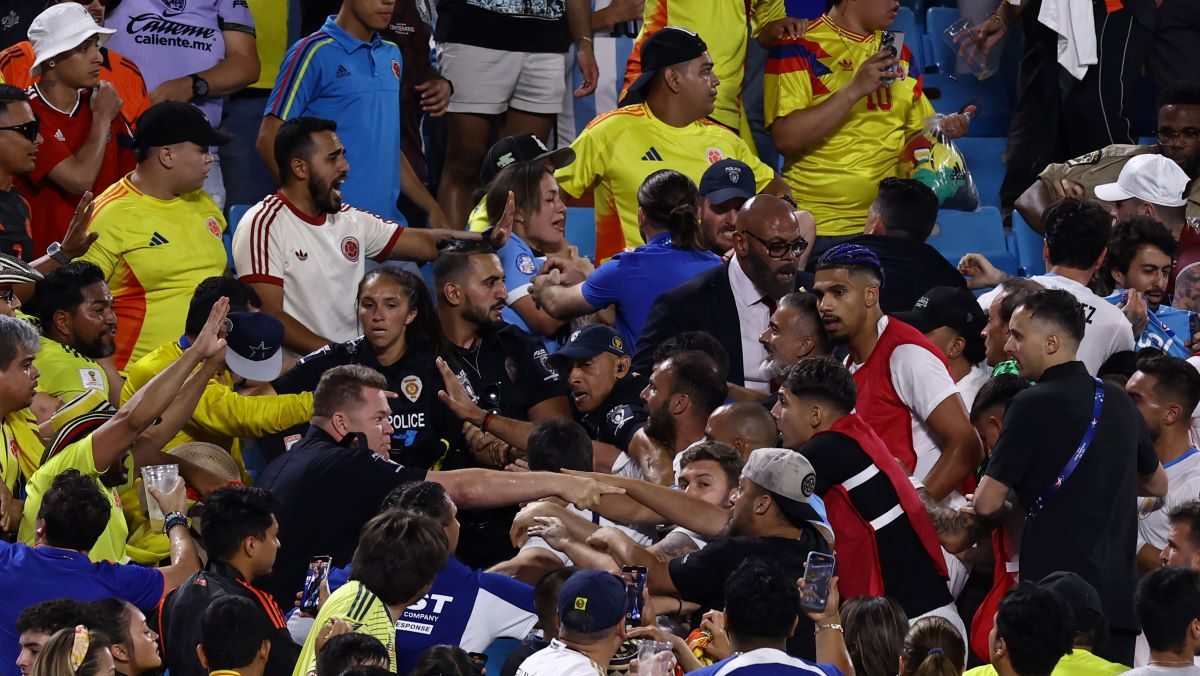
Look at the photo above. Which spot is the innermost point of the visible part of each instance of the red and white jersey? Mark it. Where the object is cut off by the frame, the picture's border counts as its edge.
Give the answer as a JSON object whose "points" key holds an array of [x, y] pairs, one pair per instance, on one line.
{"points": [[318, 261]]}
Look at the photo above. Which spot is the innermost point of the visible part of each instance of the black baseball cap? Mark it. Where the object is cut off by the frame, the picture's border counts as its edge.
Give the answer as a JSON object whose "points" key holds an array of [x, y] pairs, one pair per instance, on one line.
{"points": [[591, 601], [172, 122], [727, 180], [948, 306], [591, 341], [665, 48], [521, 148]]}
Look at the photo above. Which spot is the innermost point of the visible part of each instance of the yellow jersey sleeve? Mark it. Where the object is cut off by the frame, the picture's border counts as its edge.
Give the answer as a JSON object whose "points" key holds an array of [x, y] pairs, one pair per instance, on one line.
{"points": [[365, 613], [105, 252], [578, 177], [225, 412], [23, 444], [478, 220], [790, 81], [764, 12]]}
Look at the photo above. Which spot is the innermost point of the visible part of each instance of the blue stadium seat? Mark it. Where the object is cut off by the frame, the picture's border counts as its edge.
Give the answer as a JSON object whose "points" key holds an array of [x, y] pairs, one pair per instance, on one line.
{"points": [[581, 230], [914, 36], [234, 217], [985, 159], [950, 92], [1029, 247], [498, 651], [980, 232]]}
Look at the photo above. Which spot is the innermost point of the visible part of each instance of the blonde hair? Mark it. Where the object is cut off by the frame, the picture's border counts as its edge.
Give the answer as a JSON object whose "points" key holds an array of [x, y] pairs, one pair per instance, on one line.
{"points": [[55, 658]]}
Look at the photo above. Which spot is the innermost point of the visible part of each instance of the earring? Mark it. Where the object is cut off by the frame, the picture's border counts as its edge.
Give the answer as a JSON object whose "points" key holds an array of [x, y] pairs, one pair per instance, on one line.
{"points": [[50, 63]]}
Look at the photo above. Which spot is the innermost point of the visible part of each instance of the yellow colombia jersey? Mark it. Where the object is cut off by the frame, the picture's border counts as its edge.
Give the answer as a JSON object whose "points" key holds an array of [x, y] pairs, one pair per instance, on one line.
{"points": [[111, 545], [23, 448], [366, 615], [221, 417], [619, 149], [838, 178], [65, 373], [154, 253], [717, 23]]}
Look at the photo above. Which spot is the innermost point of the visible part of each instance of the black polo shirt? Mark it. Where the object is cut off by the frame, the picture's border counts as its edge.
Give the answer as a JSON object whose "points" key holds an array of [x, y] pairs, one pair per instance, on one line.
{"points": [[424, 430], [620, 416], [509, 370], [327, 490], [177, 620], [910, 269], [1090, 525], [700, 576]]}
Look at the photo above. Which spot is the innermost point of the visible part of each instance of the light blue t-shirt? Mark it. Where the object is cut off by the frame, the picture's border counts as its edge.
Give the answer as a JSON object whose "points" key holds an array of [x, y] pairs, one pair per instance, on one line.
{"points": [[521, 264], [634, 279], [335, 76], [1168, 328]]}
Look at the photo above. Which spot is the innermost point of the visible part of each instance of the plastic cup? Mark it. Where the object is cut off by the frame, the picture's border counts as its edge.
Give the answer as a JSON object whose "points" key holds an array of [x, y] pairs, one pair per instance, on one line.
{"points": [[163, 478], [655, 658], [973, 56]]}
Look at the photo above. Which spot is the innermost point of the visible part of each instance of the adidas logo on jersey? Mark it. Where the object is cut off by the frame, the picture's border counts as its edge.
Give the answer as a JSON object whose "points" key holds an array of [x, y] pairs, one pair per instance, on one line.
{"points": [[301, 254], [652, 155], [342, 71], [157, 240], [59, 136]]}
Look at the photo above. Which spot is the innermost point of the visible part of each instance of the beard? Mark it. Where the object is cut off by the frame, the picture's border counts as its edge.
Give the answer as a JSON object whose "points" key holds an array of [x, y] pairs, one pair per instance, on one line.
{"points": [[103, 346], [771, 368], [323, 197], [481, 318], [662, 426], [766, 281]]}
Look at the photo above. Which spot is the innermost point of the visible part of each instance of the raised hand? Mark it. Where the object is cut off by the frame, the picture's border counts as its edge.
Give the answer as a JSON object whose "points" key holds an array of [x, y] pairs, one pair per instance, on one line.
{"points": [[210, 341]]}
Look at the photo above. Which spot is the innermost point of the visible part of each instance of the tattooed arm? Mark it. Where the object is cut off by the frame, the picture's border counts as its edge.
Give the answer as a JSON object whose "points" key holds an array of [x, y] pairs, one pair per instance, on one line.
{"points": [[957, 531], [673, 546]]}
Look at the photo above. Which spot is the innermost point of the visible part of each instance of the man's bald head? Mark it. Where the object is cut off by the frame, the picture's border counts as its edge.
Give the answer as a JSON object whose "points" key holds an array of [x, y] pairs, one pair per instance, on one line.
{"points": [[768, 244], [746, 426]]}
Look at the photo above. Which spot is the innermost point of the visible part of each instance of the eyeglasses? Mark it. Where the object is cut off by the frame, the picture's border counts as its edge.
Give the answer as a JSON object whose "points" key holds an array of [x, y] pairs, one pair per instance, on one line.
{"points": [[29, 130], [777, 249], [1169, 136], [8, 295]]}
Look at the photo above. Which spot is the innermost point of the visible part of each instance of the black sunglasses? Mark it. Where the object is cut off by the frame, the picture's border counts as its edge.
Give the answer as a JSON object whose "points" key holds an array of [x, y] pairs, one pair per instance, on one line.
{"points": [[29, 130], [778, 249]]}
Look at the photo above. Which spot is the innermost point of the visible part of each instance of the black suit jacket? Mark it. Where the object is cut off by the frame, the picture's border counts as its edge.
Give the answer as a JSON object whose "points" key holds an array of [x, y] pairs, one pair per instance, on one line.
{"points": [[703, 303]]}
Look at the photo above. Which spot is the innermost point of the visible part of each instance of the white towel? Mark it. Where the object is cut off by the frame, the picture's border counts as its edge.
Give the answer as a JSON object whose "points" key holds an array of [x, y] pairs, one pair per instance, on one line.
{"points": [[1076, 28]]}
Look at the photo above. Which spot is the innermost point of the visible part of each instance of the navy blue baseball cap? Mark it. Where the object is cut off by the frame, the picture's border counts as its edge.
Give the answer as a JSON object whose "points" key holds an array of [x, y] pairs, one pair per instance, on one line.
{"points": [[591, 601], [591, 341], [727, 180], [255, 346]]}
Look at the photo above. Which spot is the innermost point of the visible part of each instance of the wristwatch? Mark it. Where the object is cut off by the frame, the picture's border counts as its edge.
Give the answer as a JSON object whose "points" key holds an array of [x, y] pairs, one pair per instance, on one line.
{"points": [[199, 87], [55, 252]]}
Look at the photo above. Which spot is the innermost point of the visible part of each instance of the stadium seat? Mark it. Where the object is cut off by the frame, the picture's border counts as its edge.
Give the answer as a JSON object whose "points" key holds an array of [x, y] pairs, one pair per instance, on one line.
{"points": [[950, 91], [498, 651], [985, 159], [234, 217], [581, 230], [962, 232], [1029, 247], [914, 36]]}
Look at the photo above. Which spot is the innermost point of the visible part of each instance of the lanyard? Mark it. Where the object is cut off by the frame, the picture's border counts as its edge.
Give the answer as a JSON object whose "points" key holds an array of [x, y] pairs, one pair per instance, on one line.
{"points": [[1190, 452], [1073, 462]]}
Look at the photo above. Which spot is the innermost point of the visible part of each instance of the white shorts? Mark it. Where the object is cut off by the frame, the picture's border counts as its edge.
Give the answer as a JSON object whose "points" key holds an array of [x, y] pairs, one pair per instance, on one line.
{"points": [[490, 81]]}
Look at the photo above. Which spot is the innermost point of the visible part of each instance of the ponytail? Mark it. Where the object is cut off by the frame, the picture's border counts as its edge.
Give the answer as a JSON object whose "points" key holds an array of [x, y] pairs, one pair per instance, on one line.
{"points": [[933, 647], [669, 200]]}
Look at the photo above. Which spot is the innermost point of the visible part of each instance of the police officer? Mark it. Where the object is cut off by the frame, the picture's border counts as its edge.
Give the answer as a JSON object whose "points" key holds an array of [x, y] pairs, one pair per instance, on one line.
{"points": [[605, 393], [401, 338]]}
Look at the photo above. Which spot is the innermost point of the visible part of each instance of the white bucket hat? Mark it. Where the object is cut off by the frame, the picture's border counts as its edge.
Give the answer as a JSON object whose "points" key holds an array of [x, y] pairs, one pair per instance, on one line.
{"points": [[59, 29]]}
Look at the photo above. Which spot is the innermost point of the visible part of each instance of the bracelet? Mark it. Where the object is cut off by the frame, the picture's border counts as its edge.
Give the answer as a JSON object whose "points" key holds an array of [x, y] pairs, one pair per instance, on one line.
{"points": [[589, 40], [487, 420], [680, 611], [175, 519], [822, 627]]}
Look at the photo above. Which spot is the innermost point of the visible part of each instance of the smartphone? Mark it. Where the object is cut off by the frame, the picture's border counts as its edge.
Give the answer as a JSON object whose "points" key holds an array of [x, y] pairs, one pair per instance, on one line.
{"points": [[818, 571], [634, 587], [892, 41], [318, 572]]}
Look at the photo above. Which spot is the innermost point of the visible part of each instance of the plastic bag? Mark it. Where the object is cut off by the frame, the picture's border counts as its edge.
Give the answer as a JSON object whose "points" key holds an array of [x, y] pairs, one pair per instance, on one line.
{"points": [[934, 160]]}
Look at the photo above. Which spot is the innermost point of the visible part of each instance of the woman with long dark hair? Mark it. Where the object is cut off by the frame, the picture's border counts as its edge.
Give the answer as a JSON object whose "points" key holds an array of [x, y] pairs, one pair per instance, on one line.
{"points": [[675, 251], [401, 338]]}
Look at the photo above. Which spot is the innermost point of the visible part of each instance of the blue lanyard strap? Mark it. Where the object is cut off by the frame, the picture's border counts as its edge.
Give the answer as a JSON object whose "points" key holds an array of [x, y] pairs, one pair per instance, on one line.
{"points": [[1077, 456]]}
